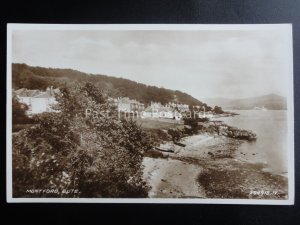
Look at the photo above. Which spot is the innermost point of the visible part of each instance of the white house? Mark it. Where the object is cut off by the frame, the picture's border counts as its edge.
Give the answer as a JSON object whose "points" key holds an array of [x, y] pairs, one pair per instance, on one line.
{"points": [[25, 95], [42, 103], [37, 101], [128, 105]]}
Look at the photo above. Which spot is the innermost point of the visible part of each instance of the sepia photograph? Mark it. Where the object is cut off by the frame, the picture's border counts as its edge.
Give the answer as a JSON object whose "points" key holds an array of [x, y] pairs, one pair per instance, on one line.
{"points": [[150, 113]]}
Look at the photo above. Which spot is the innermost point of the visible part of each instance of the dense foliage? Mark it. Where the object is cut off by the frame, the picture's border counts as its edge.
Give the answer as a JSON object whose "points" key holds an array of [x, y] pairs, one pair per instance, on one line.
{"points": [[218, 110], [20, 120], [194, 125], [19, 112], [96, 155]]}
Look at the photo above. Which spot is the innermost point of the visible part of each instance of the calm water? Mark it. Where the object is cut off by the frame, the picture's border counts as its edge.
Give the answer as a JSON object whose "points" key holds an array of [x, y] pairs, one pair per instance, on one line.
{"points": [[271, 145]]}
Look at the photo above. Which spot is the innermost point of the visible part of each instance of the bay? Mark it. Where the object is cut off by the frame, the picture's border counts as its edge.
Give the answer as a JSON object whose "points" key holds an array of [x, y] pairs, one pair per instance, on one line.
{"points": [[270, 148]]}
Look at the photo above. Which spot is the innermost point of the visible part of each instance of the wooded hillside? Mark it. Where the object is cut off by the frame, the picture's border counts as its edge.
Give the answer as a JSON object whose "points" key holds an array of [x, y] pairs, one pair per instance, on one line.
{"points": [[24, 76]]}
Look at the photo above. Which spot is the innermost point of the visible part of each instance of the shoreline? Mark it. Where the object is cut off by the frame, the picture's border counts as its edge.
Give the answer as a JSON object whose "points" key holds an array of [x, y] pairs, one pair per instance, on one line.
{"points": [[208, 167]]}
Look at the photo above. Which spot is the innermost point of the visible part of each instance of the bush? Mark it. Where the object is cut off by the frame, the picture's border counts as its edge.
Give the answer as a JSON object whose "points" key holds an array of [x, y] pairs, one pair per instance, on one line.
{"points": [[176, 134], [18, 127], [218, 110], [158, 136], [189, 131], [19, 112], [99, 157], [194, 124]]}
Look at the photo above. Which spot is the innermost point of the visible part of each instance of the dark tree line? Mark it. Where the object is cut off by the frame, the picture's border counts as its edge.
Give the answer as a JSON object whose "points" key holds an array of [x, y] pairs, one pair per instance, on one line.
{"points": [[24, 76]]}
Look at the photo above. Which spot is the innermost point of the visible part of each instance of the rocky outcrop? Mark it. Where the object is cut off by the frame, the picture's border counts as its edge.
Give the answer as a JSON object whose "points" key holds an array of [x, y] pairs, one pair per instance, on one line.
{"points": [[222, 129], [234, 132], [212, 127]]}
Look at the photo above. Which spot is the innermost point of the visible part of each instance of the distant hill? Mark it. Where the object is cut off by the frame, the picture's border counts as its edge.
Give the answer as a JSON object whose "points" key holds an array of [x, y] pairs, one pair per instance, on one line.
{"points": [[271, 101], [24, 76]]}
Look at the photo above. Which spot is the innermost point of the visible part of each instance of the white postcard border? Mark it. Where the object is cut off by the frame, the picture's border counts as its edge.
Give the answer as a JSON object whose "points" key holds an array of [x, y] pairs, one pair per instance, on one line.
{"points": [[290, 105]]}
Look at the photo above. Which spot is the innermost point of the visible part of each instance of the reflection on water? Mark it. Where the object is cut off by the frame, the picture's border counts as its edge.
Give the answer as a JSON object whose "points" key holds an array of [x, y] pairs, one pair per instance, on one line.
{"points": [[270, 147]]}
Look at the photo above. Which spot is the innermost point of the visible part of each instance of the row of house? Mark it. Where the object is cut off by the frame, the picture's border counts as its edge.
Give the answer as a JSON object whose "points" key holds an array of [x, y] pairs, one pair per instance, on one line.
{"points": [[157, 110], [128, 105], [42, 101], [134, 108], [179, 106]]}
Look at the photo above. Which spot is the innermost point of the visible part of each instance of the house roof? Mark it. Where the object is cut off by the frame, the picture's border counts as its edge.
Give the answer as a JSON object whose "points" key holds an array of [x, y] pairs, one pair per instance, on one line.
{"points": [[44, 95], [148, 109], [126, 100], [23, 92]]}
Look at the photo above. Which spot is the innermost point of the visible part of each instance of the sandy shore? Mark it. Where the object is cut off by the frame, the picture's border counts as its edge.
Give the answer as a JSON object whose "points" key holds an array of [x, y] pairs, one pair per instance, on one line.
{"points": [[208, 167], [171, 178]]}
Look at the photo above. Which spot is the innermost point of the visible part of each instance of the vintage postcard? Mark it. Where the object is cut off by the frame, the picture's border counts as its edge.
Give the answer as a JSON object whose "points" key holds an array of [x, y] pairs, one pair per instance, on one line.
{"points": [[150, 114]]}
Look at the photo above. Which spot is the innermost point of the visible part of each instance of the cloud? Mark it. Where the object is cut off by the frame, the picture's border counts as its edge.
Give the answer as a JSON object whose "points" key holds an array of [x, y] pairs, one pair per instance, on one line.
{"points": [[202, 63]]}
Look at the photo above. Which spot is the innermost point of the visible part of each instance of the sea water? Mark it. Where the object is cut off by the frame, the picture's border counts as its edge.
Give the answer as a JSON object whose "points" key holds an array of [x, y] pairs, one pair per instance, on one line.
{"points": [[270, 148]]}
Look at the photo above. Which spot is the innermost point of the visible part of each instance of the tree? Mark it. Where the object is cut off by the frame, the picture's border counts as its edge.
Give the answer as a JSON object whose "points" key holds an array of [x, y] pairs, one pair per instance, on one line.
{"points": [[19, 112], [34, 82], [218, 110], [97, 155]]}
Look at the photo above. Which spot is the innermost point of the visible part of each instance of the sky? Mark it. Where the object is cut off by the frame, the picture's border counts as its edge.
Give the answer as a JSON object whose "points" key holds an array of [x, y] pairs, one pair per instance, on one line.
{"points": [[202, 63]]}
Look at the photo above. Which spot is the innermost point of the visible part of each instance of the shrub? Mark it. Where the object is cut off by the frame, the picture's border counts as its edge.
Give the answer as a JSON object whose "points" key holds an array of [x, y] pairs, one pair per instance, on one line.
{"points": [[100, 157], [19, 112], [176, 134], [158, 136], [218, 110], [189, 131], [193, 123], [18, 127]]}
